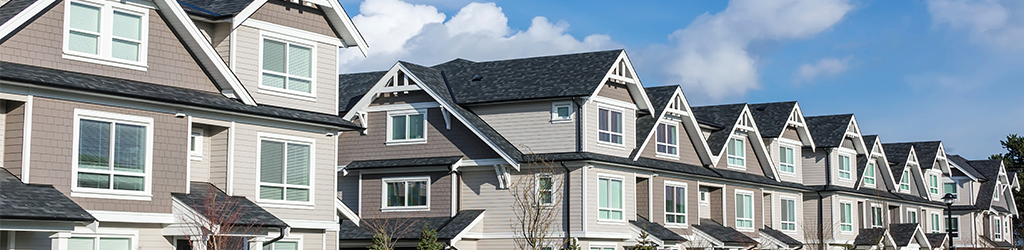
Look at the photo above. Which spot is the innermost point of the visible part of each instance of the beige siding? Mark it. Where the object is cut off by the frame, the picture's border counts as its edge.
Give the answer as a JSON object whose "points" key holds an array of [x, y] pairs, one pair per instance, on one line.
{"points": [[834, 161], [440, 198], [753, 164], [3, 131], [687, 152], [219, 156], [219, 35], [615, 91], [440, 141], [479, 190], [591, 125], [14, 132], [643, 197], [692, 201], [798, 211], [814, 166], [247, 68], [774, 151], [791, 133], [40, 44], [841, 236], [200, 168], [401, 98], [629, 212], [295, 16], [529, 127], [730, 209]]}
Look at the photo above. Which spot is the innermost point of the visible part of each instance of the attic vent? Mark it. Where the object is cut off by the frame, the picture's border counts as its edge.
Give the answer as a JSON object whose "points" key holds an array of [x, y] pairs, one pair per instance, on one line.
{"points": [[760, 108], [478, 78]]}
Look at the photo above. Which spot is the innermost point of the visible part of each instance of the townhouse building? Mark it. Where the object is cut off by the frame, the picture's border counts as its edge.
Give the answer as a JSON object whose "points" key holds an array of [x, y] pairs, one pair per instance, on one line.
{"points": [[131, 124], [984, 203]]}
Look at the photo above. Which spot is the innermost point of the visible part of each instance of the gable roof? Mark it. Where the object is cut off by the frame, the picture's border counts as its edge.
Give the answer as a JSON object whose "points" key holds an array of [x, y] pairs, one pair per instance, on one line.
{"points": [[214, 9], [828, 131], [660, 97], [722, 233], [872, 141], [446, 227], [966, 167], [905, 233], [726, 115], [870, 236], [989, 169], [36, 202], [236, 210], [926, 152], [781, 237], [352, 87], [937, 239], [772, 117]]}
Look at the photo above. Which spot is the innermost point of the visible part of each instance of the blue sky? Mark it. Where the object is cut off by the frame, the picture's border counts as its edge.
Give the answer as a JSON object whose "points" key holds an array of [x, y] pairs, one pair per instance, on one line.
{"points": [[950, 70]]}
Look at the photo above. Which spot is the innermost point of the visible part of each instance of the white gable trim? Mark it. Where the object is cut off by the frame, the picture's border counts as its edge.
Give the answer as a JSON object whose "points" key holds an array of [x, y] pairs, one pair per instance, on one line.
{"points": [[636, 89], [692, 129], [25, 15], [753, 134], [858, 141], [336, 15], [802, 129]]}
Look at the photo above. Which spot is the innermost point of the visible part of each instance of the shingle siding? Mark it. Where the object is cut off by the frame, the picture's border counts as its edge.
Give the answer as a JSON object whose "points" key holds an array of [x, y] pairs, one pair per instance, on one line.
{"points": [[529, 127], [247, 69], [294, 16], [440, 141], [14, 133]]}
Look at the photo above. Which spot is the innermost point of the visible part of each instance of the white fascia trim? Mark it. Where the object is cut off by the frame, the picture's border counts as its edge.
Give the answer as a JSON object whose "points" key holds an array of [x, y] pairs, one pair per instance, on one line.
{"points": [[293, 33], [207, 55], [8, 28], [482, 162], [692, 129], [339, 18], [331, 226], [346, 211], [246, 12], [803, 130], [132, 217], [465, 230], [26, 146], [403, 106], [615, 103], [37, 225]]}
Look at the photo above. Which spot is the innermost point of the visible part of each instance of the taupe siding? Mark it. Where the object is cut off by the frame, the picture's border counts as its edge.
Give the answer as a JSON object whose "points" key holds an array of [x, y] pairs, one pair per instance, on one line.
{"points": [[14, 132], [440, 198], [219, 35], [40, 44], [479, 190], [628, 131], [629, 211], [643, 197], [295, 16], [687, 152], [200, 168], [247, 68], [774, 152], [813, 164], [219, 156], [529, 127], [692, 203], [52, 123], [834, 161], [615, 91], [440, 141], [791, 133], [799, 212], [401, 98], [730, 209], [848, 143], [753, 164]]}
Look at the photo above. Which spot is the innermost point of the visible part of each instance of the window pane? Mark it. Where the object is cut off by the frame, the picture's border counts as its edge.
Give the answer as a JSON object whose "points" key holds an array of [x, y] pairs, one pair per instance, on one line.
{"points": [[681, 200], [83, 42], [661, 136], [284, 245], [271, 193], [272, 162], [130, 148], [617, 122], [545, 197], [128, 25], [416, 127], [740, 150], [124, 50], [300, 61], [297, 194], [133, 183], [81, 243], [271, 80], [615, 190], [672, 135], [418, 193], [93, 180], [616, 139], [115, 244], [731, 147], [602, 193], [398, 127], [300, 85], [396, 193], [273, 56], [94, 144], [670, 196], [298, 164], [602, 119], [950, 188], [85, 17], [739, 206], [616, 215], [563, 112]]}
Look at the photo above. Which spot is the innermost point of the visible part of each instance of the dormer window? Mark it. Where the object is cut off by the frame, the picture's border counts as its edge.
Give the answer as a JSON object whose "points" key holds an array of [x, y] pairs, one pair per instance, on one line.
{"points": [[609, 126], [106, 32], [287, 67], [787, 161], [905, 181], [869, 174], [844, 167], [933, 184], [667, 139], [736, 153]]}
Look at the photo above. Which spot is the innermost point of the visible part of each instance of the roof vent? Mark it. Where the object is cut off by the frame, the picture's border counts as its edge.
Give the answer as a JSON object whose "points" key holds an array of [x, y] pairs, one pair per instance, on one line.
{"points": [[760, 108], [478, 78]]}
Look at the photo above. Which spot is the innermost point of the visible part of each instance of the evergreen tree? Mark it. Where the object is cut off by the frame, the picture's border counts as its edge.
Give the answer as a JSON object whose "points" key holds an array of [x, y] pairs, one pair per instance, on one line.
{"points": [[379, 243], [428, 240], [1013, 159]]}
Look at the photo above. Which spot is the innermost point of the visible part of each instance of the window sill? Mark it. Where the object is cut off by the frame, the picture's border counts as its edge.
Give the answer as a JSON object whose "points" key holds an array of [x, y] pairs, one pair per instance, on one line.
{"points": [[286, 93], [104, 61], [666, 156], [676, 225], [110, 194], [611, 144], [195, 157], [405, 209], [285, 204], [745, 229], [611, 221], [406, 142], [555, 121], [736, 167]]}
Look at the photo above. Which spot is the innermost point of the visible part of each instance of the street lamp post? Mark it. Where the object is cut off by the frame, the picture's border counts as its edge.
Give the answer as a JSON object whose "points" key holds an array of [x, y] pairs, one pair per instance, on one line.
{"points": [[949, 198]]}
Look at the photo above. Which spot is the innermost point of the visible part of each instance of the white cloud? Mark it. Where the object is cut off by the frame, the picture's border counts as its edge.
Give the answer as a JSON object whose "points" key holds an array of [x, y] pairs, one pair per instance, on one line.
{"points": [[397, 30], [710, 55], [995, 22], [825, 67]]}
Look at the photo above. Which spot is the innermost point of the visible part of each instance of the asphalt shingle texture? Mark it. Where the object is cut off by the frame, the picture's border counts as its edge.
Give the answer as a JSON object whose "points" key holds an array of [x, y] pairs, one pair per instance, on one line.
{"points": [[783, 237], [214, 9], [721, 233], [989, 169], [870, 236], [725, 115], [903, 233], [897, 154], [352, 87], [926, 152], [828, 131], [936, 239], [660, 98], [963, 163], [771, 117], [408, 162], [656, 230], [446, 227], [36, 202], [208, 201]]}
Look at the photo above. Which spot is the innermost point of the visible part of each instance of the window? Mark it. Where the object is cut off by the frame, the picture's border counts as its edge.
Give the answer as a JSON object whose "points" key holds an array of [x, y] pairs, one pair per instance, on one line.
{"points": [[97, 243], [787, 162], [287, 66], [950, 188], [285, 170], [869, 174], [561, 111], [846, 217], [544, 189], [106, 32], [736, 152], [602, 248], [935, 223], [675, 203], [995, 195], [905, 181], [998, 235], [876, 216], [704, 196], [406, 192], [668, 139], [744, 210], [609, 126], [844, 167], [953, 226], [933, 184], [788, 214], [911, 216], [283, 245], [195, 144], [114, 154], [610, 198], [407, 126]]}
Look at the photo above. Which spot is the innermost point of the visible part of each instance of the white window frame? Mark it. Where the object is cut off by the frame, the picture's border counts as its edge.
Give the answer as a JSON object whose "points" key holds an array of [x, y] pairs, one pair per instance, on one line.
{"points": [[997, 228], [935, 221], [847, 172], [880, 220], [554, 112], [284, 92], [384, 194], [782, 164], [260, 137], [602, 247], [389, 141], [147, 193], [742, 158], [871, 167], [905, 181], [995, 194], [290, 238], [784, 223], [908, 216], [196, 138], [686, 204], [844, 205], [953, 226], [538, 189], [105, 35], [105, 233], [703, 197], [622, 195], [753, 213], [933, 184], [609, 131], [956, 189], [666, 144]]}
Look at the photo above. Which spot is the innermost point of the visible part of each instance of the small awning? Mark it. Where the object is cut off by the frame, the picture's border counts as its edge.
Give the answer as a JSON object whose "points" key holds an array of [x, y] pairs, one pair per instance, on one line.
{"points": [[20, 201], [209, 202], [656, 230], [721, 235], [777, 236], [407, 162]]}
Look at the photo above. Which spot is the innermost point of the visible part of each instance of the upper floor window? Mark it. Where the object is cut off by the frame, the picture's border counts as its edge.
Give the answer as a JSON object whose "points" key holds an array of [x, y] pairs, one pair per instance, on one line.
{"points": [[995, 195], [675, 203], [869, 174], [406, 192], [998, 232], [787, 163], [609, 126], [933, 184], [953, 226], [935, 223], [287, 66], [561, 111], [545, 187], [844, 167], [736, 152], [195, 144], [876, 216], [788, 214], [950, 188], [911, 216], [106, 32], [667, 139], [83, 242], [905, 181], [610, 198], [744, 210], [114, 154], [845, 217], [285, 169], [407, 126]]}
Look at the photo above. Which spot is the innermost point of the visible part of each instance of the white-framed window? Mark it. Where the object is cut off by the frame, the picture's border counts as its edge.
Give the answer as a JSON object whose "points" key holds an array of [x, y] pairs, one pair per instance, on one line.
{"points": [[876, 215], [675, 203], [845, 217], [101, 242], [703, 193], [283, 245], [869, 174], [951, 188], [195, 144], [844, 167], [998, 229], [609, 126], [953, 226], [114, 155], [409, 126], [905, 181], [788, 214], [667, 139], [287, 65], [602, 248], [744, 209], [106, 32], [936, 222], [610, 198], [561, 111], [736, 152], [933, 184], [285, 169], [406, 193], [545, 189], [911, 216], [787, 161]]}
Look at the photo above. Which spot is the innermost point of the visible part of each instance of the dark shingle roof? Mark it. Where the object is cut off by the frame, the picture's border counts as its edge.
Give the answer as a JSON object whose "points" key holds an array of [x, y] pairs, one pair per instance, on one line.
{"points": [[936, 240], [234, 208], [726, 115], [446, 227], [771, 117], [528, 78], [897, 154], [13, 7], [989, 169], [407, 162], [642, 162], [721, 233], [870, 236], [876, 193], [903, 233], [660, 97], [214, 9], [869, 141], [828, 131], [656, 230], [153, 92], [36, 202], [926, 152], [960, 161], [782, 237], [352, 87]]}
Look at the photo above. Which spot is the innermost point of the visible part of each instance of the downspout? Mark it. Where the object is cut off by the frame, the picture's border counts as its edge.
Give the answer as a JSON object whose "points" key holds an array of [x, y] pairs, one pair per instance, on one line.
{"points": [[821, 199], [579, 125], [567, 197], [279, 237]]}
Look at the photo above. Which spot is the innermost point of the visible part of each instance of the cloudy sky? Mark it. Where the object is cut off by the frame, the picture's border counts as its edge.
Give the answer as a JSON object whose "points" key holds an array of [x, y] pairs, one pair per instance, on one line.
{"points": [[950, 70]]}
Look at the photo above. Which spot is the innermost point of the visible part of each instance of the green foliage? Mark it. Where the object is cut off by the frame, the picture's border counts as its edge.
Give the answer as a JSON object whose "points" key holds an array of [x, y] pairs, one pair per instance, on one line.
{"points": [[428, 240], [1013, 159], [380, 242], [572, 245], [644, 242]]}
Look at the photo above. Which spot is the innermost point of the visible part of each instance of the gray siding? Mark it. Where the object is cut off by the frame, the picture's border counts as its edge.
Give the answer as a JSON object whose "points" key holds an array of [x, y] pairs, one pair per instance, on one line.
{"points": [[629, 211], [247, 69], [348, 190], [814, 166], [529, 127], [295, 16], [615, 91], [479, 190], [774, 151], [687, 152], [218, 156], [791, 133], [591, 125], [440, 141], [753, 164]]}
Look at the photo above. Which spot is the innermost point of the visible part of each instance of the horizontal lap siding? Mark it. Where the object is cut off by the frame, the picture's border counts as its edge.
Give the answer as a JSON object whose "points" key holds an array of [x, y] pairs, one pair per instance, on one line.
{"points": [[348, 190], [730, 209], [591, 126], [615, 91], [687, 152], [355, 146], [40, 44], [658, 203], [797, 176], [753, 164], [798, 211], [14, 132], [219, 157], [814, 166], [528, 126], [440, 198], [479, 191], [247, 68], [628, 203]]}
